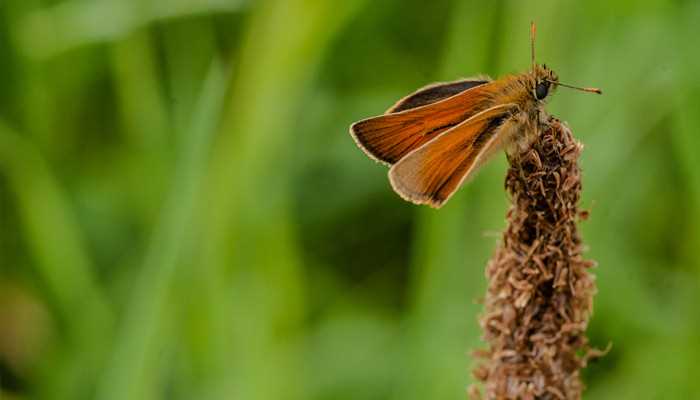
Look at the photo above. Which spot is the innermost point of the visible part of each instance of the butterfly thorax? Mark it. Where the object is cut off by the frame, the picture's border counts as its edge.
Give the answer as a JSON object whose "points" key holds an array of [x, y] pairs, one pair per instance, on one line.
{"points": [[528, 90]]}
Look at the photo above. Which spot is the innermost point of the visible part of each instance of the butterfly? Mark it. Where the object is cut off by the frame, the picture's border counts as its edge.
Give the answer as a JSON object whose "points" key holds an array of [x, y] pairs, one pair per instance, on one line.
{"points": [[437, 137]]}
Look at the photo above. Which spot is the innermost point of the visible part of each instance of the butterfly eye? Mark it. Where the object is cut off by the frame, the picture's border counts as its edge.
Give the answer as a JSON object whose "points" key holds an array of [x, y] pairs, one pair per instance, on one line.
{"points": [[541, 90]]}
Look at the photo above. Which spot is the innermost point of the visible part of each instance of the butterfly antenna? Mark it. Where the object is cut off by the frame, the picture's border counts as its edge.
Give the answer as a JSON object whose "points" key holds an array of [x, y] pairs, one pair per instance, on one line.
{"points": [[533, 32], [583, 89]]}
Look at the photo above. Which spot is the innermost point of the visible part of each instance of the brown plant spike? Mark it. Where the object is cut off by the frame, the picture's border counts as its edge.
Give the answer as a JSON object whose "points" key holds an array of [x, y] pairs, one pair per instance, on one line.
{"points": [[540, 293]]}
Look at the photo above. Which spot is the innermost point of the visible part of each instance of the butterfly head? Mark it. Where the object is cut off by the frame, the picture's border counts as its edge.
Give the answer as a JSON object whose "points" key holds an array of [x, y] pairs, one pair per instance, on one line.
{"points": [[542, 81]]}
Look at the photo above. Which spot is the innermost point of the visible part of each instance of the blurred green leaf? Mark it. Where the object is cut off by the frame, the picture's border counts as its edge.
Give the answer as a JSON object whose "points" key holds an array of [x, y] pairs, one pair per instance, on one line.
{"points": [[62, 266], [76, 23], [137, 345]]}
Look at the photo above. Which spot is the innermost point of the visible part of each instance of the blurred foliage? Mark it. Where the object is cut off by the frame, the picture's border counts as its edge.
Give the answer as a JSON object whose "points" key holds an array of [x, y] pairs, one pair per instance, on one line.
{"points": [[184, 215]]}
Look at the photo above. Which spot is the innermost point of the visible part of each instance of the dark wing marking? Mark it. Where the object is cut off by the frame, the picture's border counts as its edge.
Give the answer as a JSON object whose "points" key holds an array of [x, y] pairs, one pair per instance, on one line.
{"points": [[435, 92]]}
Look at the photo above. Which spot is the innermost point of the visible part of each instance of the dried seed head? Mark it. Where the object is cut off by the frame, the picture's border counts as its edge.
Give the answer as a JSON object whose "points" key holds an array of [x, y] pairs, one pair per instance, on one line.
{"points": [[540, 291]]}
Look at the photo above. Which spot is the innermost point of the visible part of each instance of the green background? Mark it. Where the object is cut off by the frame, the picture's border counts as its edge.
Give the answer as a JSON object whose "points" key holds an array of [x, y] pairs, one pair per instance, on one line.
{"points": [[183, 214]]}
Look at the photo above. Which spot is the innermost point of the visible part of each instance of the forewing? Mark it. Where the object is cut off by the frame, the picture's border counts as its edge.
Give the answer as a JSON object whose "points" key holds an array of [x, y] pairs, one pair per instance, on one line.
{"points": [[388, 138], [434, 171], [435, 92]]}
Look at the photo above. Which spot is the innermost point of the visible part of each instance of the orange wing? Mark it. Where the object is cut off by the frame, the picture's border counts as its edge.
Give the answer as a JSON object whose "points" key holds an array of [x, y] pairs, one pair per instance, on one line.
{"points": [[434, 171], [419, 118]]}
